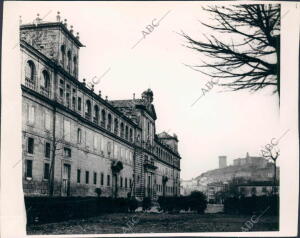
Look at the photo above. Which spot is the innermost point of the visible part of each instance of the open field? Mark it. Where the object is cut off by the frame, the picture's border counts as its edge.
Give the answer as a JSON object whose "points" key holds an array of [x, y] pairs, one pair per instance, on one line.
{"points": [[154, 223]]}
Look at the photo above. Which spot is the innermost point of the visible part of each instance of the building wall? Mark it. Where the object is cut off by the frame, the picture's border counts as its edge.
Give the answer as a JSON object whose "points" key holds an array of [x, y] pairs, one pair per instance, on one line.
{"points": [[93, 144], [89, 155]]}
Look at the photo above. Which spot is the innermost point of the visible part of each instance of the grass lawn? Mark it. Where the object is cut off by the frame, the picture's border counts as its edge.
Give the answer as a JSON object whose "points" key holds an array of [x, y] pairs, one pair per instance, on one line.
{"points": [[154, 223]]}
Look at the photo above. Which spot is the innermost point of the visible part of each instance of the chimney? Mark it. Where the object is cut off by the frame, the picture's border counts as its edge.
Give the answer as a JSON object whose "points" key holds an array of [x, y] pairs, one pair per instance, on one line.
{"points": [[38, 19], [58, 17]]}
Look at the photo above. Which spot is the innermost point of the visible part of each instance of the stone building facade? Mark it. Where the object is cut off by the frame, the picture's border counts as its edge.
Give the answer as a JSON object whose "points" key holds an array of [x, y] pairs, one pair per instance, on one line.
{"points": [[74, 141]]}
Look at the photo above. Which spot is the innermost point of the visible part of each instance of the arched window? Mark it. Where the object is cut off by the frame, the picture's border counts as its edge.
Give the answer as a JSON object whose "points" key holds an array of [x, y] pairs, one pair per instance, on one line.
{"points": [[79, 135], [116, 126], [75, 65], [130, 135], [109, 121], [122, 129], [96, 114], [30, 74], [62, 54], [88, 109], [69, 60], [126, 132], [45, 79], [103, 118]]}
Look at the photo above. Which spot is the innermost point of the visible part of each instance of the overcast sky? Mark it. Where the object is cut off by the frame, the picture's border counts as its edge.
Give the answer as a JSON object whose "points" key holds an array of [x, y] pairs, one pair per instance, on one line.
{"points": [[220, 123]]}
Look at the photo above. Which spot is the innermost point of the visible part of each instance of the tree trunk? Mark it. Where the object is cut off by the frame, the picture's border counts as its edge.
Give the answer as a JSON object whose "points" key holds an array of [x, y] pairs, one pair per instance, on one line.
{"points": [[274, 182], [51, 179]]}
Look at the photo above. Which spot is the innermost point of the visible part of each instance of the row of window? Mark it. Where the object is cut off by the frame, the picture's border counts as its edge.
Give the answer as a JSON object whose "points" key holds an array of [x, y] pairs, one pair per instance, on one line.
{"points": [[28, 170], [47, 149], [66, 60], [64, 90], [31, 82], [168, 188], [166, 156], [97, 116], [127, 182], [46, 174], [121, 153]]}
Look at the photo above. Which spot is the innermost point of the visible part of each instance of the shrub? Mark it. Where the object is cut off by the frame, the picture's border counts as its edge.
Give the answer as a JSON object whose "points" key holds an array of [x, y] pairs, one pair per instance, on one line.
{"points": [[197, 201], [146, 203], [252, 205], [132, 204], [98, 191]]}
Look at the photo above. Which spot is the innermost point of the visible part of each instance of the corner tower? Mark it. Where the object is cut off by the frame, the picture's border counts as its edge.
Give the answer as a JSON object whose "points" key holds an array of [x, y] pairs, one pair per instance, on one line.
{"points": [[55, 41]]}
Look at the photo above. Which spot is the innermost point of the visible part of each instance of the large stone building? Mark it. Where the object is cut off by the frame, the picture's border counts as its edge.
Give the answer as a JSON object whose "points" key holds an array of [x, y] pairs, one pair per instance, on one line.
{"points": [[74, 141]]}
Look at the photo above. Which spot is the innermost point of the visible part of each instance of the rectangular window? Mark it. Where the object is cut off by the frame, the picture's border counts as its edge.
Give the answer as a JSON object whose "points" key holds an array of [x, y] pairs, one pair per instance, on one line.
{"points": [[67, 130], [67, 152], [47, 150], [28, 168], [130, 183], [68, 99], [47, 121], [61, 92], [30, 145], [95, 178], [31, 112], [116, 151], [95, 141], [78, 175], [121, 182], [73, 102], [79, 104], [46, 171], [125, 182], [87, 177], [102, 179], [108, 180], [103, 144], [108, 148]]}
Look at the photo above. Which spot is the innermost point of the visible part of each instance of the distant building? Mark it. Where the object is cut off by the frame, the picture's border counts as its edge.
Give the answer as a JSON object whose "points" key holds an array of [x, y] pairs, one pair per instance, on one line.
{"points": [[222, 162], [187, 186], [250, 168], [259, 162], [213, 189], [257, 188]]}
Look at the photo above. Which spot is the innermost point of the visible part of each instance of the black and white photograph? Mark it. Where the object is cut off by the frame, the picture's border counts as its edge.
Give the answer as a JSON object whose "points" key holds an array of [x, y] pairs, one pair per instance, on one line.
{"points": [[155, 118]]}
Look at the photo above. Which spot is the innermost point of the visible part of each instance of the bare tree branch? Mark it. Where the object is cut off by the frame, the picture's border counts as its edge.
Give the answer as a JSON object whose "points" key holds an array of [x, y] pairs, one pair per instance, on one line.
{"points": [[250, 59]]}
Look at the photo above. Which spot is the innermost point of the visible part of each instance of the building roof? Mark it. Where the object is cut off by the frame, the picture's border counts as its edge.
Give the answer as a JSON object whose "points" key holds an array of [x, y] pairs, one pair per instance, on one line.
{"points": [[258, 183], [165, 135], [128, 106], [53, 25]]}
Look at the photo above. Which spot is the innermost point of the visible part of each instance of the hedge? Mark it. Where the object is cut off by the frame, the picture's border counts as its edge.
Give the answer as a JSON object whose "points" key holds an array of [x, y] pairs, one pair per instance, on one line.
{"points": [[195, 202], [54, 209], [252, 205]]}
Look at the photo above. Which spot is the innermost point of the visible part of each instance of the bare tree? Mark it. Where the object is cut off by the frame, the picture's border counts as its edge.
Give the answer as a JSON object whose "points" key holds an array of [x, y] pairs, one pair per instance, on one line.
{"points": [[272, 153], [246, 55]]}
